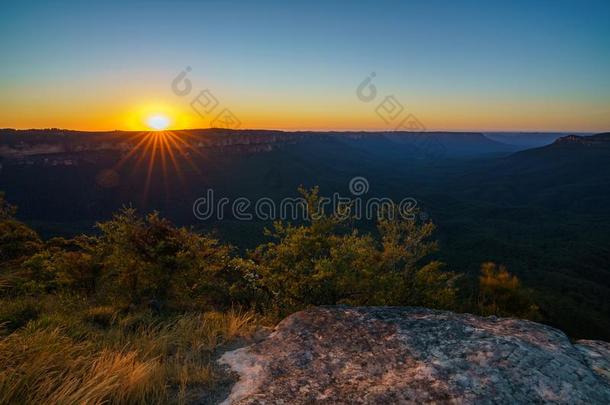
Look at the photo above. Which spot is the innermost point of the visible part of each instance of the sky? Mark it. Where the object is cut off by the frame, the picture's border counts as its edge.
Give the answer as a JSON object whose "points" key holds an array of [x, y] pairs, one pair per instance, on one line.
{"points": [[467, 65]]}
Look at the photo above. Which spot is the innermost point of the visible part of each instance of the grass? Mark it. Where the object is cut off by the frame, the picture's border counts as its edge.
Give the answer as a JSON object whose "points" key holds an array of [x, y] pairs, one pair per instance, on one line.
{"points": [[71, 353], [17, 313]]}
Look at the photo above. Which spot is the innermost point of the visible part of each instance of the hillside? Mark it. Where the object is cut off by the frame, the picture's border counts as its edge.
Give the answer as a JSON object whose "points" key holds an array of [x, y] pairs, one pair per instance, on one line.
{"points": [[525, 140], [569, 173], [543, 212]]}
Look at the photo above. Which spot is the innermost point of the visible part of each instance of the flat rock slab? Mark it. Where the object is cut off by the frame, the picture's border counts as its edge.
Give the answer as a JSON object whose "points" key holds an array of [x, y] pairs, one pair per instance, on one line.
{"points": [[387, 355]]}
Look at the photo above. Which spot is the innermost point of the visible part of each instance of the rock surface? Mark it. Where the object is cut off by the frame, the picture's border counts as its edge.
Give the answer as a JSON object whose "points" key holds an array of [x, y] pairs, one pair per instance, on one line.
{"points": [[386, 355]]}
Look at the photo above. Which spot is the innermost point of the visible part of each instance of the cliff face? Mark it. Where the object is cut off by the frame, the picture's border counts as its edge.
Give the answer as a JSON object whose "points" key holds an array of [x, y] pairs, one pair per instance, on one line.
{"points": [[380, 355], [19, 144]]}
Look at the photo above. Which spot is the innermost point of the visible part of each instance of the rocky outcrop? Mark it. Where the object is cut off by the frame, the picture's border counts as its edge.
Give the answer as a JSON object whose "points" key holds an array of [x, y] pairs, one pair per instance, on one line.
{"points": [[386, 355]]}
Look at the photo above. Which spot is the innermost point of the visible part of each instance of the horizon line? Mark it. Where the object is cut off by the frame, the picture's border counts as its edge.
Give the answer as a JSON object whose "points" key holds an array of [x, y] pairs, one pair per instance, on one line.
{"points": [[308, 130]]}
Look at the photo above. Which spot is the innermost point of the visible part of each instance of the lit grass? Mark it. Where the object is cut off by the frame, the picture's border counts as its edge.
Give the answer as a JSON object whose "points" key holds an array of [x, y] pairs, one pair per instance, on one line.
{"points": [[98, 356]]}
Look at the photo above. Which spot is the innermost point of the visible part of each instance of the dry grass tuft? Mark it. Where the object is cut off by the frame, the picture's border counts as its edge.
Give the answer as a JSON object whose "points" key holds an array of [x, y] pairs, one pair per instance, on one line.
{"points": [[153, 362], [45, 366]]}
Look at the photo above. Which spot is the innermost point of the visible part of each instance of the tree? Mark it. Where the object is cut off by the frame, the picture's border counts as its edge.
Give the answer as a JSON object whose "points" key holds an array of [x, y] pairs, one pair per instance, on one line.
{"points": [[405, 244]]}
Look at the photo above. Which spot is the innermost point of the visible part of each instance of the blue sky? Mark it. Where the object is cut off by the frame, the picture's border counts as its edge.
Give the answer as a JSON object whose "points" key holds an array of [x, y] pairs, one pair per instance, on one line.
{"points": [[536, 65]]}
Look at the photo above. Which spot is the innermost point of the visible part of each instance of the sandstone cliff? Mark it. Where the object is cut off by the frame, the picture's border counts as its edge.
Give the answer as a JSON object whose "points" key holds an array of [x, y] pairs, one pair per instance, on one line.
{"points": [[381, 355]]}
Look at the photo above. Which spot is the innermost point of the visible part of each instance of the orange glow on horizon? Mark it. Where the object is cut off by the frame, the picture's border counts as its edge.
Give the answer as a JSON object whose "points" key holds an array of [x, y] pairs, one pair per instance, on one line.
{"points": [[332, 115]]}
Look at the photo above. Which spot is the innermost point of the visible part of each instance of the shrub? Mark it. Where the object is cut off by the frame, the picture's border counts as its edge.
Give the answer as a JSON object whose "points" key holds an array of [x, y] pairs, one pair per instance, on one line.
{"points": [[16, 239], [321, 263], [501, 293], [149, 262]]}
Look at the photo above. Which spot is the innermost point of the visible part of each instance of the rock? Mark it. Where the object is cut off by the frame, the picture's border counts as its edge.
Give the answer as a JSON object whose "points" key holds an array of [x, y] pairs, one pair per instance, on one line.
{"points": [[386, 355]]}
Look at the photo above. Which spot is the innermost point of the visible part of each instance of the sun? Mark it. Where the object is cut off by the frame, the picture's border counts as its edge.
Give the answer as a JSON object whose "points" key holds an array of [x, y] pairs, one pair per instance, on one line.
{"points": [[158, 122]]}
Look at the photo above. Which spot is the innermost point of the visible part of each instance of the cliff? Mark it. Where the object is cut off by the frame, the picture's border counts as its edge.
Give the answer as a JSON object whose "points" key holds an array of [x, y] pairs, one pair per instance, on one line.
{"points": [[384, 355], [19, 144]]}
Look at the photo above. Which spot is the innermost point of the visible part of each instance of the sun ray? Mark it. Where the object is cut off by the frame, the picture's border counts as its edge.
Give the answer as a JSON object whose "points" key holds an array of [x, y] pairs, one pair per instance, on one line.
{"points": [[132, 152], [162, 150], [172, 158], [163, 154], [151, 164], [186, 157], [147, 151], [188, 145]]}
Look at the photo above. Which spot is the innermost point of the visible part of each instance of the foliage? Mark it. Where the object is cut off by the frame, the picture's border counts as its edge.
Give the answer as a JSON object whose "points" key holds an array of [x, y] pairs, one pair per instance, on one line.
{"points": [[148, 260], [136, 313], [16, 241], [324, 262], [58, 265], [501, 293], [7, 211]]}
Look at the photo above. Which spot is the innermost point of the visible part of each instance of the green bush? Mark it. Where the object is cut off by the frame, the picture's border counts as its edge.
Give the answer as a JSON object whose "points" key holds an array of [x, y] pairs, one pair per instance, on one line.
{"points": [[501, 294], [16, 241], [149, 262], [145, 264], [324, 262]]}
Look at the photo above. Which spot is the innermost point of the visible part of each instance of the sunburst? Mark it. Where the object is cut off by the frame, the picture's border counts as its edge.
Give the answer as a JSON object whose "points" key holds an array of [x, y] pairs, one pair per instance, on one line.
{"points": [[167, 148]]}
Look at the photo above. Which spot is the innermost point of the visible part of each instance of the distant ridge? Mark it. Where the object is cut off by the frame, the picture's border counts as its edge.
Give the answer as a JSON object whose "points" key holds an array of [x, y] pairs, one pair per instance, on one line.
{"points": [[527, 139], [602, 139], [14, 143]]}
